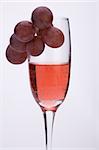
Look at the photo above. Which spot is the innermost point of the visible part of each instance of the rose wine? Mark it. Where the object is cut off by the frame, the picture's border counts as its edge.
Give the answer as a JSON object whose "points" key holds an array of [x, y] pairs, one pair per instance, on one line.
{"points": [[49, 84]]}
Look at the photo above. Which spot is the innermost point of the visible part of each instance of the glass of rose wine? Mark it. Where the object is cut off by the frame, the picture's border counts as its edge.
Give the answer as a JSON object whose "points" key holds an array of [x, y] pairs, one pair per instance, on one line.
{"points": [[49, 77]]}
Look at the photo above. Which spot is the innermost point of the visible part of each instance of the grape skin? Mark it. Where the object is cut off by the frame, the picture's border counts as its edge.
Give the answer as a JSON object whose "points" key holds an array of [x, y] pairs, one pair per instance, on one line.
{"points": [[17, 45], [35, 47], [24, 31], [42, 17], [15, 57], [53, 37]]}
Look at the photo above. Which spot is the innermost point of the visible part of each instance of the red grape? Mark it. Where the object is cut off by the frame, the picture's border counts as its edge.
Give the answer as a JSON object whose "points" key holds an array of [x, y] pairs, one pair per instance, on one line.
{"points": [[24, 31], [17, 45], [15, 57], [42, 17], [36, 46], [53, 37]]}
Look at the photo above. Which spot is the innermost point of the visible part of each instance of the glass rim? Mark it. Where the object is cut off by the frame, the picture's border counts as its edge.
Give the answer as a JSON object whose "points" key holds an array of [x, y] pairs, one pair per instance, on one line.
{"points": [[61, 17]]}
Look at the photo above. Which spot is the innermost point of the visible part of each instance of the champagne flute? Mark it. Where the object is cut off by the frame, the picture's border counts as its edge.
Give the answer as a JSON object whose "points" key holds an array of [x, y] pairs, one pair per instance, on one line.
{"points": [[49, 78]]}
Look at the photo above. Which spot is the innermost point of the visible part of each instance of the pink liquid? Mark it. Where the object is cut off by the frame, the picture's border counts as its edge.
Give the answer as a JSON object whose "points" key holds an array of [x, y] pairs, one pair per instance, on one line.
{"points": [[49, 84]]}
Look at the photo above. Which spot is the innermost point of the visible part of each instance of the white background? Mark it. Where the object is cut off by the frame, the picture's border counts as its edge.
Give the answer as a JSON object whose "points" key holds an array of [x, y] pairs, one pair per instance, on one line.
{"points": [[21, 120]]}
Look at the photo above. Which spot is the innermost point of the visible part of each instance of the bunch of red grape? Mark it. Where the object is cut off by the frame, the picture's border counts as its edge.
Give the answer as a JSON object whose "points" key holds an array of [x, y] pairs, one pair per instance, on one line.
{"points": [[31, 37]]}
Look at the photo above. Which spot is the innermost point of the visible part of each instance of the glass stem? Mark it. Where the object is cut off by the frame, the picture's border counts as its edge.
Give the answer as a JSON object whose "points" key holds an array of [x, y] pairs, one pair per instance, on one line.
{"points": [[49, 122]]}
